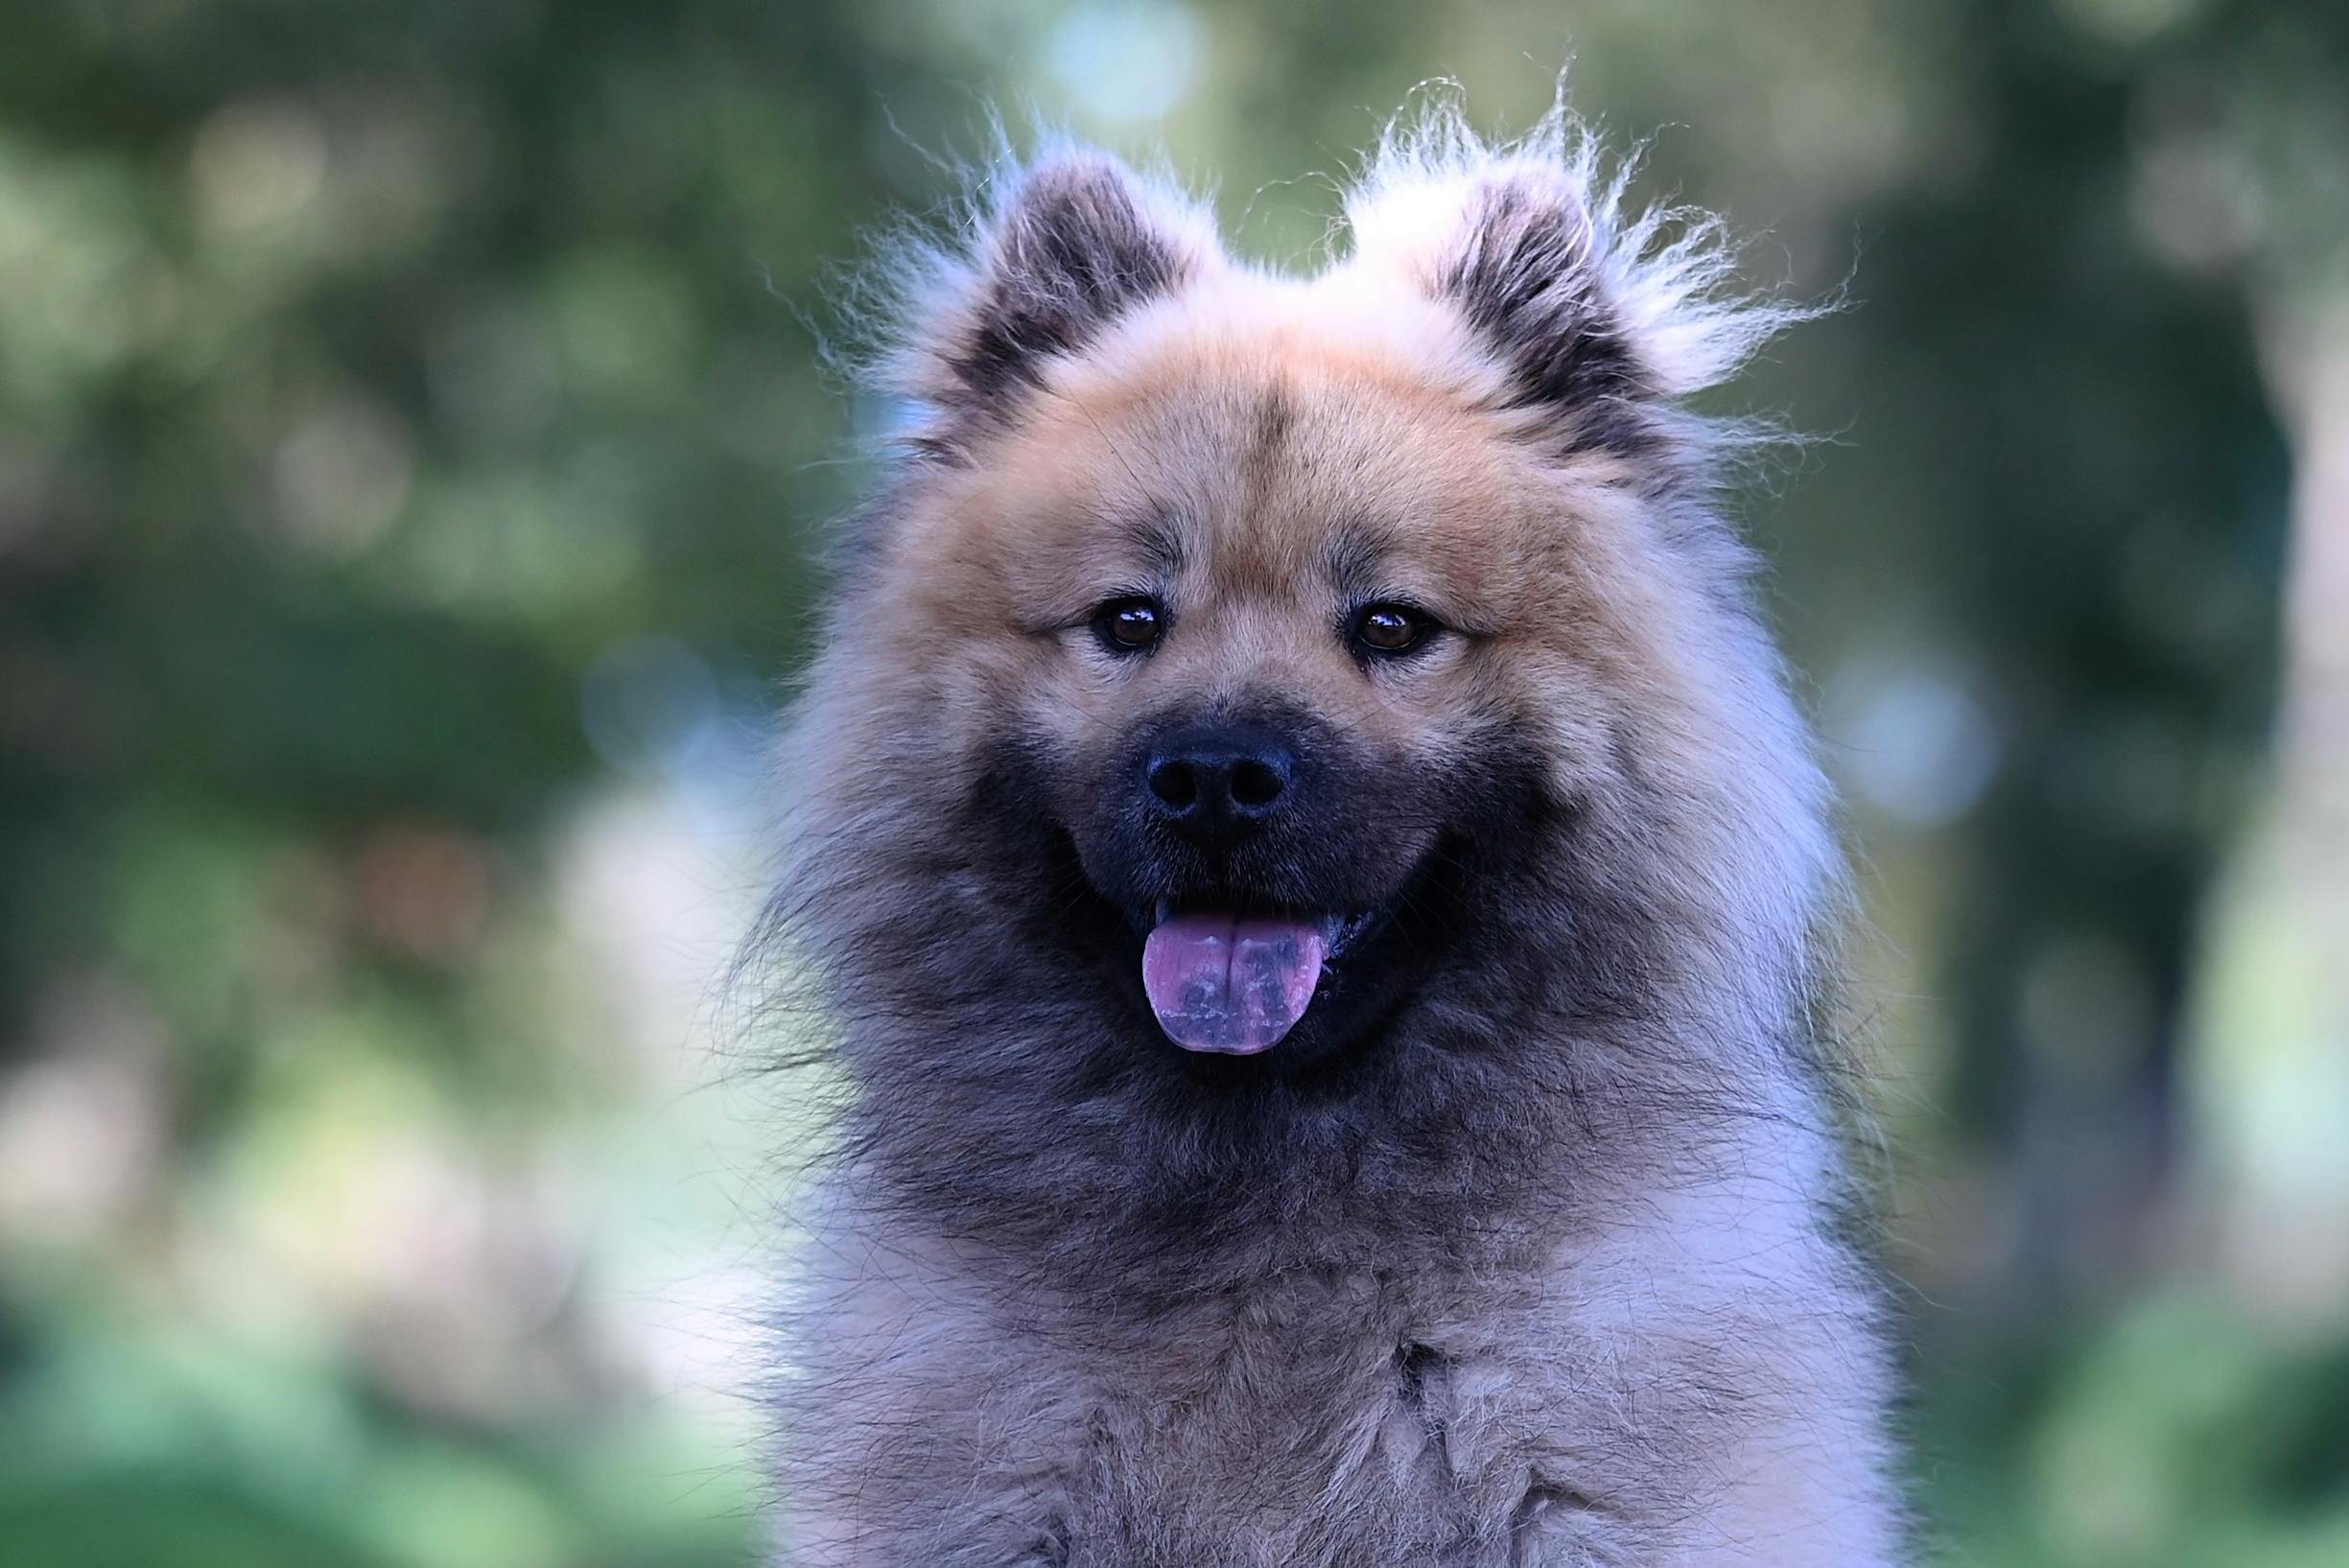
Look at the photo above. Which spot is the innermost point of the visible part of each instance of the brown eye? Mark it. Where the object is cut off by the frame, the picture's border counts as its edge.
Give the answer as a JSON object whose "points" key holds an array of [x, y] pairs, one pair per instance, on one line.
{"points": [[1129, 625], [1391, 628]]}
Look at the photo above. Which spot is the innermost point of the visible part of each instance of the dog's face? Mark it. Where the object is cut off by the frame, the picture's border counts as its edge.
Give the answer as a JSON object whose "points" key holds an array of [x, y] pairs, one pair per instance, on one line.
{"points": [[1277, 635], [1247, 617]]}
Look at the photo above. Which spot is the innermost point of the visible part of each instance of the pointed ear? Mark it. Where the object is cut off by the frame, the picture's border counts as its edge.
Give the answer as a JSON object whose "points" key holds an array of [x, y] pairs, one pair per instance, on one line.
{"points": [[1514, 248], [1601, 316], [1075, 242]]}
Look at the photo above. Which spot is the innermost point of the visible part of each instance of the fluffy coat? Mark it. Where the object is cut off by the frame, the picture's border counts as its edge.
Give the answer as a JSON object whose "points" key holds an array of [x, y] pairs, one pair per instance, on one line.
{"points": [[1532, 1259]]}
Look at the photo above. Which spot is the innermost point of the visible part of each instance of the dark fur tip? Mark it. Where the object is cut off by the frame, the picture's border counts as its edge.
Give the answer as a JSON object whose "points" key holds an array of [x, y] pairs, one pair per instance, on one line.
{"points": [[1074, 248]]}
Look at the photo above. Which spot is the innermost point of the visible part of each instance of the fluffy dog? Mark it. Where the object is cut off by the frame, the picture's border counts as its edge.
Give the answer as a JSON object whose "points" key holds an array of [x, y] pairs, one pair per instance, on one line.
{"points": [[1325, 902]]}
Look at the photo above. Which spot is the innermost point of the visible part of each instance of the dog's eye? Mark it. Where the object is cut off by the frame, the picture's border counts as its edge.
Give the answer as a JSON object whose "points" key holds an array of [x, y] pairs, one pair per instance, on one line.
{"points": [[1392, 628], [1129, 625]]}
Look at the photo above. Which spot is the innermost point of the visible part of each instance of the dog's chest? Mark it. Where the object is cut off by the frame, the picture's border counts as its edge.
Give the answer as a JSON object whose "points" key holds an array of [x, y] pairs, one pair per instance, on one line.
{"points": [[1309, 1422]]}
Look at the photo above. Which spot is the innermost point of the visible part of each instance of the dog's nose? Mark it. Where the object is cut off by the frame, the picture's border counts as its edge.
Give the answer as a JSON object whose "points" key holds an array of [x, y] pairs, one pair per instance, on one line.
{"points": [[1216, 786]]}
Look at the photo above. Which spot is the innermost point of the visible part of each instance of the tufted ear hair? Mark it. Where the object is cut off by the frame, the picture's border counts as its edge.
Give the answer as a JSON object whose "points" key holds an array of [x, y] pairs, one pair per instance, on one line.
{"points": [[1596, 315], [1069, 245]]}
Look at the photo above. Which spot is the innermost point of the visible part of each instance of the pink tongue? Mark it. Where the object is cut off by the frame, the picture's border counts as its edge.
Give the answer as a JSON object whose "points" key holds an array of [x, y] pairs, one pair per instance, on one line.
{"points": [[1221, 983]]}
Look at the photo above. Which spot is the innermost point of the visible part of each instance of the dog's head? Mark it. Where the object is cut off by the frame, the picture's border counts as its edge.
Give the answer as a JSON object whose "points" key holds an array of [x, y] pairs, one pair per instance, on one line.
{"points": [[1285, 647]]}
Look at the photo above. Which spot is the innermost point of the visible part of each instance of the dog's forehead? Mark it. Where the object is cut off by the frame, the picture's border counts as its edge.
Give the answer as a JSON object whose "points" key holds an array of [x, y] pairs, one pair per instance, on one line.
{"points": [[1263, 453]]}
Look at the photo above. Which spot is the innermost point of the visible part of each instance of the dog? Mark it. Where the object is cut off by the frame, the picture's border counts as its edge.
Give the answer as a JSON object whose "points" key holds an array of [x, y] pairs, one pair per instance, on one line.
{"points": [[1325, 912]]}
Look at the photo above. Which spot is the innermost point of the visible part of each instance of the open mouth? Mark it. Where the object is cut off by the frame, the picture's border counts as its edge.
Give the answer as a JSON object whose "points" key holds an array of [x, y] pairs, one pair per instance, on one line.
{"points": [[1236, 981]]}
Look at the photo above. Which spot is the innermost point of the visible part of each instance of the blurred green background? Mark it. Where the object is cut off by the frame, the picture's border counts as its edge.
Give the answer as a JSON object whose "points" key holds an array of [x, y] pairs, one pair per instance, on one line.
{"points": [[411, 438]]}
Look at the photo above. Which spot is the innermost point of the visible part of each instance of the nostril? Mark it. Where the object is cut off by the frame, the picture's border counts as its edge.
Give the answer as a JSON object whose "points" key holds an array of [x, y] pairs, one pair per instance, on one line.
{"points": [[1172, 780], [1254, 783]]}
